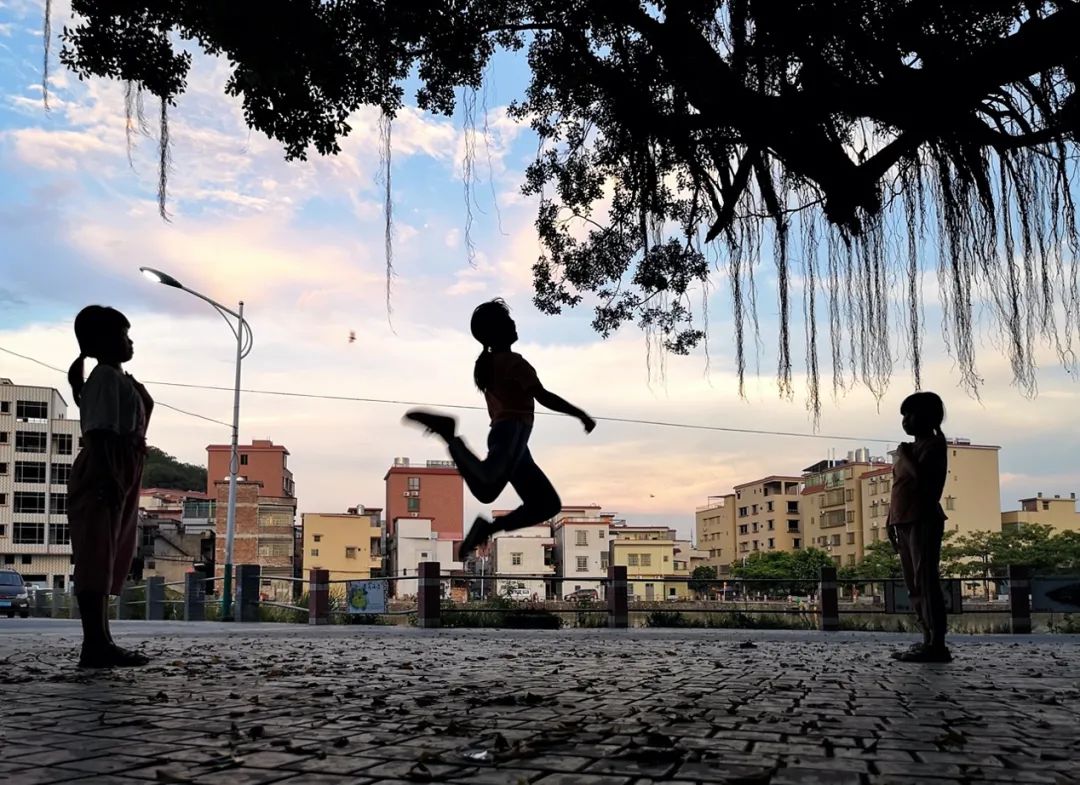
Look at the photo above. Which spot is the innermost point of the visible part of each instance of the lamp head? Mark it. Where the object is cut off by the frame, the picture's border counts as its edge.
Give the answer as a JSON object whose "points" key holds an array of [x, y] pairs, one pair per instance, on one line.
{"points": [[159, 277]]}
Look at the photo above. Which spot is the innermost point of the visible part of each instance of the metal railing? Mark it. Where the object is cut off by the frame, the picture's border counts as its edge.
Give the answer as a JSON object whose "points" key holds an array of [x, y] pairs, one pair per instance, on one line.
{"points": [[430, 596]]}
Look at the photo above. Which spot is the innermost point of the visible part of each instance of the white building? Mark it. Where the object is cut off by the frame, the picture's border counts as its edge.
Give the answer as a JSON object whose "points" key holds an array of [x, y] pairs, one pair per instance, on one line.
{"points": [[581, 548], [414, 542], [37, 447], [528, 551]]}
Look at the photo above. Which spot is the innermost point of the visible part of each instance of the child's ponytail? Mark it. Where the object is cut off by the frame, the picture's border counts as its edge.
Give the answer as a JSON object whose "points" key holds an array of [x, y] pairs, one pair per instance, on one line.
{"points": [[77, 378]]}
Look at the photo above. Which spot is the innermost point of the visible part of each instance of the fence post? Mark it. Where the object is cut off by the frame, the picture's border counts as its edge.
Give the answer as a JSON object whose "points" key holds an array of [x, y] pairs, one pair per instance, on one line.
{"points": [[38, 608], [319, 597], [428, 601], [72, 604], [618, 606], [248, 577], [1020, 599], [194, 596], [155, 598], [56, 595], [828, 600]]}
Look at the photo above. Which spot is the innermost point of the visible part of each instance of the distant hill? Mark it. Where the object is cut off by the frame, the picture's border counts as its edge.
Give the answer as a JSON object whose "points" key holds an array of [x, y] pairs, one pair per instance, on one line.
{"points": [[164, 471]]}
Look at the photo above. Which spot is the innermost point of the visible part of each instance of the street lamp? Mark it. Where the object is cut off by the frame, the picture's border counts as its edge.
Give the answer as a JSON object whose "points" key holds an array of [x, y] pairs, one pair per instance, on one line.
{"points": [[244, 341]]}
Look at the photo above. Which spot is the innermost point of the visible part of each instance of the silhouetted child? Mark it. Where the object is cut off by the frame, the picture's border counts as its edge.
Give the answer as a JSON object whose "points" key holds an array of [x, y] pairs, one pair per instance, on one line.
{"points": [[103, 492], [916, 522], [511, 388]]}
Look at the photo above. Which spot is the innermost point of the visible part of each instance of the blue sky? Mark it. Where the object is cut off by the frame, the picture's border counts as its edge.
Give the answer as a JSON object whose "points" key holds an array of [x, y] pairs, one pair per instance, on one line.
{"points": [[301, 243]]}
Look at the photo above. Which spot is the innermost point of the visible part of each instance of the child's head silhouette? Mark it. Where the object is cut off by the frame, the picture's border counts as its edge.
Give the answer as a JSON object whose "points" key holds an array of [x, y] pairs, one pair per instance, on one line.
{"points": [[923, 413], [494, 328], [102, 334]]}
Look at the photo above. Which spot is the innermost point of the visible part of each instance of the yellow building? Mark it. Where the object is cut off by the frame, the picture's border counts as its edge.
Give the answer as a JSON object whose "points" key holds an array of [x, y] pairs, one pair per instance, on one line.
{"points": [[1056, 512], [832, 510], [714, 532], [648, 553], [349, 545], [971, 498], [767, 516]]}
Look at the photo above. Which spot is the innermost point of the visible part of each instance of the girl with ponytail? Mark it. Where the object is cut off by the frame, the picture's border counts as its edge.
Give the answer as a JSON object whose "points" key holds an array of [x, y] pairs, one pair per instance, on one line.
{"points": [[916, 522], [103, 492], [511, 388]]}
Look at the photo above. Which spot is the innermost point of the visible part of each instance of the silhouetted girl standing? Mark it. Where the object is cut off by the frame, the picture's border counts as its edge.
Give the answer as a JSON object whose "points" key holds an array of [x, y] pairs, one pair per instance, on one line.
{"points": [[916, 522], [103, 492], [511, 387]]}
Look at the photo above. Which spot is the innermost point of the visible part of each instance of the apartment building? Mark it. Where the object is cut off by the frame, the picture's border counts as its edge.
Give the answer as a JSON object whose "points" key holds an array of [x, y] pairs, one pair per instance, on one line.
{"points": [[348, 544], [414, 541], [525, 552], [648, 553], [38, 444], [714, 530], [581, 536], [434, 491], [261, 461], [264, 533], [167, 548], [1058, 512], [767, 515]]}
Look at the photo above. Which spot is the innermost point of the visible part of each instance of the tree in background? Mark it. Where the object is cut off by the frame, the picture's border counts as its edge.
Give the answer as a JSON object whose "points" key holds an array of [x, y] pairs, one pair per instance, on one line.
{"points": [[843, 138], [164, 471], [702, 579]]}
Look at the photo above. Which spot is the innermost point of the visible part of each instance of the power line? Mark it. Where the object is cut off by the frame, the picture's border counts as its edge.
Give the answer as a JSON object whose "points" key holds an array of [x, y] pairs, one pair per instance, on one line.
{"points": [[468, 407], [156, 402]]}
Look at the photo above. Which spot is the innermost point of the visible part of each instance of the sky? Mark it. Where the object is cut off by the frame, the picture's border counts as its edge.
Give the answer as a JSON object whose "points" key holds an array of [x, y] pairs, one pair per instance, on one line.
{"points": [[301, 243]]}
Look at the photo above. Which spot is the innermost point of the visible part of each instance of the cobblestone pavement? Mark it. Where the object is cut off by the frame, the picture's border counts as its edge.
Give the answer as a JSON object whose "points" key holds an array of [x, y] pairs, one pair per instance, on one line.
{"points": [[276, 703]]}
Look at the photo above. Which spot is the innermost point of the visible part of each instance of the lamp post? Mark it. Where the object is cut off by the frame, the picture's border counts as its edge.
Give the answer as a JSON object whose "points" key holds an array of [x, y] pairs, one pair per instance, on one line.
{"points": [[244, 341]]}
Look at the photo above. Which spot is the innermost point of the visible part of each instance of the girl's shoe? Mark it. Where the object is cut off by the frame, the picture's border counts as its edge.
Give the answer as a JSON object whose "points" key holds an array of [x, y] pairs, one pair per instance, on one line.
{"points": [[927, 654], [438, 424], [111, 656], [477, 536]]}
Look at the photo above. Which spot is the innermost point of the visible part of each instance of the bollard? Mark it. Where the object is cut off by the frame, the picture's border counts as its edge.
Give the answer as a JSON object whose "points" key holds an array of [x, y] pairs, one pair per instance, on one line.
{"points": [[155, 598], [123, 603], [72, 604], [618, 604], [830, 603], [1020, 598], [248, 578], [427, 595], [56, 603], [318, 597], [194, 596], [39, 603]]}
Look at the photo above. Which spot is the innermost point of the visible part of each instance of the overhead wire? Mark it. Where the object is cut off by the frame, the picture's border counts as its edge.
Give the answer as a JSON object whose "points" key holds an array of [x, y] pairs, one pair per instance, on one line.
{"points": [[471, 407]]}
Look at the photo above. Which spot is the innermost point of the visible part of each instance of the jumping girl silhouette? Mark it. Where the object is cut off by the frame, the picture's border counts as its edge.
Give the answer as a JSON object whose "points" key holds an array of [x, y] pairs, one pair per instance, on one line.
{"points": [[511, 388], [103, 492]]}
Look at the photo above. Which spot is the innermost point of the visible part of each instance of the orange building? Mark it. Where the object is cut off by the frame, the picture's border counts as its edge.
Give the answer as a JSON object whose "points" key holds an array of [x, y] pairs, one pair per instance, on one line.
{"points": [[264, 534], [261, 461], [434, 491]]}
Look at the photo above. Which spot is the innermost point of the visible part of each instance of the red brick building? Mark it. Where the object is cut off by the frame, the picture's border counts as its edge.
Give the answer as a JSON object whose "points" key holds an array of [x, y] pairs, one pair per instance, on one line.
{"points": [[264, 533], [261, 461], [434, 490]]}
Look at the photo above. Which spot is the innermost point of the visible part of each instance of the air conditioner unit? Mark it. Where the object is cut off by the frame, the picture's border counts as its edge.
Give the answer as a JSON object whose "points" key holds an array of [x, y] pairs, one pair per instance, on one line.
{"points": [[405, 493], [414, 514], [414, 493]]}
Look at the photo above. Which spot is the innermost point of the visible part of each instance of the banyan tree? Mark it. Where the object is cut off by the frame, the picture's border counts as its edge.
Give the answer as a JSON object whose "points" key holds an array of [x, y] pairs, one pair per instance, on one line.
{"points": [[835, 150]]}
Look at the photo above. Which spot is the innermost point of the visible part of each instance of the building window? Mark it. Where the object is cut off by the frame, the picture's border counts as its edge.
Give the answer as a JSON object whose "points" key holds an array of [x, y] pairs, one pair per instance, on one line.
{"points": [[414, 504], [5, 407], [744, 529], [31, 411], [28, 533], [30, 441], [796, 543], [886, 485], [3, 530], [3, 437], [515, 559], [631, 560], [27, 559], [317, 537], [63, 443], [874, 535], [604, 560], [646, 560], [742, 512], [602, 533], [350, 553], [792, 526], [29, 502], [851, 516], [792, 507], [851, 538], [770, 525], [754, 528], [582, 537], [582, 563], [753, 509], [835, 539], [414, 483], [849, 495], [61, 473], [59, 534], [243, 460], [314, 551], [58, 503], [851, 559], [9, 559], [950, 502], [29, 471], [768, 506], [772, 543], [3, 468]]}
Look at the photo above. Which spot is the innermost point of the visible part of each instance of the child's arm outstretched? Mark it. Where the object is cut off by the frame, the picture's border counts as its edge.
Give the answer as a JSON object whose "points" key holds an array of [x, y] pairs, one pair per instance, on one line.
{"points": [[550, 400]]}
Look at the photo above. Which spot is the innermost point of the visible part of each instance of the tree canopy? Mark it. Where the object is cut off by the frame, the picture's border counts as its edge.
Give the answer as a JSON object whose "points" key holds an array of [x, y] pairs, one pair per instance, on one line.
{"points": [[843, 138], [164, 471]]}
